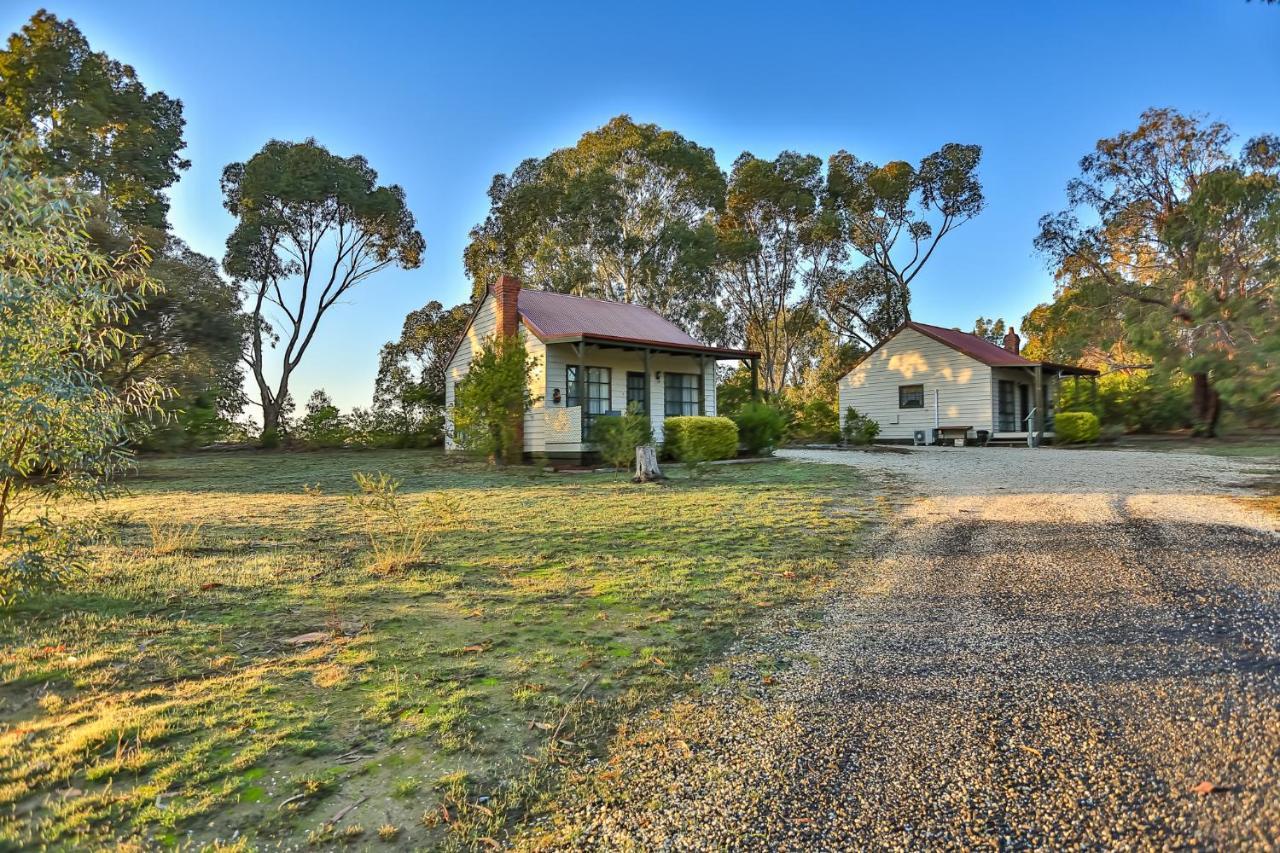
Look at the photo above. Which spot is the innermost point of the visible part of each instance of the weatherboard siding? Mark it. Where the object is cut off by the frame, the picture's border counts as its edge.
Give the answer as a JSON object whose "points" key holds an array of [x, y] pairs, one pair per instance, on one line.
{"points": [[911, 358]]}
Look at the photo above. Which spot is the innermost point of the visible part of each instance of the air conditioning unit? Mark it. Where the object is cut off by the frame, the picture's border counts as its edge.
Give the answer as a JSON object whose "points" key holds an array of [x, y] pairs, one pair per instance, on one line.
{"points": [[920, 440]]}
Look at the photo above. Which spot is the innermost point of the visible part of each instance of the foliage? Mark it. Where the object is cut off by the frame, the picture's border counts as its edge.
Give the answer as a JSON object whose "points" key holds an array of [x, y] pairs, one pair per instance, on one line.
{"points": [[812, 419], [992, 331], [761, 427], [618, 436], [322, 425], [870, 211], [733, 391], [623, 215], [1135, 400], [1178, 261], [291, 201], [1076, 427], [858, 429], [700, 438], [408, 398], [770, 236], [398, 536], [62, 428], [490, 402], [93, 119]]}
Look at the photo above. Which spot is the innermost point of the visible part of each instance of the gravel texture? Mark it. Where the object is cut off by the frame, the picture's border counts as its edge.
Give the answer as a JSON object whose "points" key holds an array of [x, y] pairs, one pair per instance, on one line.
{"points": [[1052, 648]]}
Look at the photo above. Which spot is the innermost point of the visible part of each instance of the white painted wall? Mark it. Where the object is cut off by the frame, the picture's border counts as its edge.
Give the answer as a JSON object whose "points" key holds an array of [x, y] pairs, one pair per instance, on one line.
{"points": [[550, 427], [619, 362], [479, 333], [965, 395]]}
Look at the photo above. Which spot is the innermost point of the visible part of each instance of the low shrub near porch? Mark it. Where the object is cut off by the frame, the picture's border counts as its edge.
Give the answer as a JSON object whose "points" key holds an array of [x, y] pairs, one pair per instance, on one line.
{"points": [[697, 438], [1076, 427]]}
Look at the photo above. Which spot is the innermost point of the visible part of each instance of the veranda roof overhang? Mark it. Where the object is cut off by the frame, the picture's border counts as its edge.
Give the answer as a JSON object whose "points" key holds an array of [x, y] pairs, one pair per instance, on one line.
{"points": [[638, 344]]}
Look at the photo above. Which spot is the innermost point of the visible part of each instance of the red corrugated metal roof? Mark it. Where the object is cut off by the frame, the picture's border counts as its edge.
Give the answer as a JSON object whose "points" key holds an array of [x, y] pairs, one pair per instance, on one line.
{"points": [[551, 316], [973, 346]]}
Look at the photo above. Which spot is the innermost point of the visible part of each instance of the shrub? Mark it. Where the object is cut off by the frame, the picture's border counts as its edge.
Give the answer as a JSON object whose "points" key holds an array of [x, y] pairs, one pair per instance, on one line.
{"points": [[398, 535], [815, 420], [858, 429], [696, 438], [1076, 427], [491, 401], [760, 426], [1138, 401], [618, 436]]}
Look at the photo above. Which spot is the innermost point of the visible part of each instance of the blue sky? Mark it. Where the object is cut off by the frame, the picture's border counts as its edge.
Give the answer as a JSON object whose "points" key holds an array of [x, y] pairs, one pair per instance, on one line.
{"points": [[440, 98]]}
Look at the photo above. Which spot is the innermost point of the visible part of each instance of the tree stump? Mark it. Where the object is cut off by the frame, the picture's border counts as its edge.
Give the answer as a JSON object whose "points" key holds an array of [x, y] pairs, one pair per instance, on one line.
{"points": [[647, 470]]}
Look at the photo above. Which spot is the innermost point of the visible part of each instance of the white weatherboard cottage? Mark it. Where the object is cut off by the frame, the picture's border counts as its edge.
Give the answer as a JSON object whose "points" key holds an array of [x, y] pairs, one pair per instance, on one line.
{"points": [[591, 357], [951, 384]]}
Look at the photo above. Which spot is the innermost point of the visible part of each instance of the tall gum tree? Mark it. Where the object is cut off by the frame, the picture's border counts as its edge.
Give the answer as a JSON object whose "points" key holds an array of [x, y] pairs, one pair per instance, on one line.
{"points": [[626, 214], [892, 217], [312, 226], [1176, 254]]}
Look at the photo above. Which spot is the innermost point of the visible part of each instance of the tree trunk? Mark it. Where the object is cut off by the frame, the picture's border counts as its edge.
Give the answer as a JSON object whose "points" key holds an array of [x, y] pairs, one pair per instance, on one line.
{"points": [[1205, 406], [647, 470]]}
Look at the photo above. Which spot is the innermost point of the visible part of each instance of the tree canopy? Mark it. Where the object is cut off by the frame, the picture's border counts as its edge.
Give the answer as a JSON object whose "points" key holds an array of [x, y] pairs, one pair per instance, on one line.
{"points": [[625, 215], [1175, 257], [312, 225], [893, 217], [93, 118]]}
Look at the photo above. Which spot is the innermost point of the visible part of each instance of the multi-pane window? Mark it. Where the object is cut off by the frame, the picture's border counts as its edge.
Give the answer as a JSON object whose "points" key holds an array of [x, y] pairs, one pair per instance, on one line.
{"points": [[595, 388], [910, 396], [638, 392], [681, 394]]}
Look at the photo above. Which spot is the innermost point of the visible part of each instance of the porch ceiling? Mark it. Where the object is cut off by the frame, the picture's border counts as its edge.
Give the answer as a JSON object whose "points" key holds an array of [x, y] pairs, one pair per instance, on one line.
{"points": [[635, 344]]}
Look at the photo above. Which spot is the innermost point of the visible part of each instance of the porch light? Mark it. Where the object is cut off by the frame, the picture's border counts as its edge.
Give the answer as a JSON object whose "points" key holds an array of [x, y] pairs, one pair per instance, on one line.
{"points": [[657, 374]]}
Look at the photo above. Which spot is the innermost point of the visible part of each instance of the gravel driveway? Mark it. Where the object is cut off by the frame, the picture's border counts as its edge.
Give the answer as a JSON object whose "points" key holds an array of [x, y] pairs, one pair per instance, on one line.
{"points": [[1053, 648]]}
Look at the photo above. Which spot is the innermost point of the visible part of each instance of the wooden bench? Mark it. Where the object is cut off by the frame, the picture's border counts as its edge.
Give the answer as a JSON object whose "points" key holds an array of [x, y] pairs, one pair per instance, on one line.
{"points": [[951, 434]]}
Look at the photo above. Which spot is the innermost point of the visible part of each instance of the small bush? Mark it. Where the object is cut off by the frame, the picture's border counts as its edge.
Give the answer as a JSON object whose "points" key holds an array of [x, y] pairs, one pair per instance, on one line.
{"points": [[858, 429], [618, 436], [398, 536], [1076, 427], [696, 438], [814, 421], [760, 426]]}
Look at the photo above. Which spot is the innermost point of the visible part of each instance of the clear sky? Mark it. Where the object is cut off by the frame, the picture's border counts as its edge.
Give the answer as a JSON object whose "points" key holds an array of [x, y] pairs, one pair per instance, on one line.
{"points": [[440, 97]]}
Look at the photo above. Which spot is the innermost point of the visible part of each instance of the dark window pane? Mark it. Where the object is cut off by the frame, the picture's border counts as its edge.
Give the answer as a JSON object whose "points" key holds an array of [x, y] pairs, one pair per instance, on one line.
{"points": [[910, 396], [681, 394]]}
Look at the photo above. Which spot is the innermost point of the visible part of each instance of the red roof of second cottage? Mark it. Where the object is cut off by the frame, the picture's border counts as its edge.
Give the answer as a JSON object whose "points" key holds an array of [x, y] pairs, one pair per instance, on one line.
{"points": [[973, 346]]}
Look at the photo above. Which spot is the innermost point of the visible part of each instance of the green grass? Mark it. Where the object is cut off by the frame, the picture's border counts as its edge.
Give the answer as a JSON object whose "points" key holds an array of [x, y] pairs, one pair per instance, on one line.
{"points": [[157, 701]]}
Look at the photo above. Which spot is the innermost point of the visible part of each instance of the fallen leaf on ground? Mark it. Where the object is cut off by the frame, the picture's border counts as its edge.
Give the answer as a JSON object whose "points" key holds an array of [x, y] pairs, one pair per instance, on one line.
{"points": [[305, 639], [205, 587], [1206, 787], [476, 648]]}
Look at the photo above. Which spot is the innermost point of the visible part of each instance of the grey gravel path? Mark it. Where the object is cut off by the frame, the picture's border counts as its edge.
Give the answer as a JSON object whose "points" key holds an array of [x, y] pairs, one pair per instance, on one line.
{"points": [[1051, 650]]}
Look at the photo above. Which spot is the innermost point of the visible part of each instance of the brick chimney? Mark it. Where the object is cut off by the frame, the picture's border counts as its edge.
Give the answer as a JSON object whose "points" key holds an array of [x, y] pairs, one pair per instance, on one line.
{"points": [[507, 292], [507, 296], [1012, 342]]}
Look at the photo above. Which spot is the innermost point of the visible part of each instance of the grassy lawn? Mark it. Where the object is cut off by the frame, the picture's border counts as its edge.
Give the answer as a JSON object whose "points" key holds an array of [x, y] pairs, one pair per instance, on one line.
{"points": [[173, 697]]}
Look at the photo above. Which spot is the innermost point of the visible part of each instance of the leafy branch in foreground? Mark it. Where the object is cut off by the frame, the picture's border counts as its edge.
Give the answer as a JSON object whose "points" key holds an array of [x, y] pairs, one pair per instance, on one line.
{"points": [[63, 429]]}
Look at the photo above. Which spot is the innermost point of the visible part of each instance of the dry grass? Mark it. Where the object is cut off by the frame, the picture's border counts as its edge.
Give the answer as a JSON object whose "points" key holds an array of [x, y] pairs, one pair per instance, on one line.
{"points": [[159, 702]]}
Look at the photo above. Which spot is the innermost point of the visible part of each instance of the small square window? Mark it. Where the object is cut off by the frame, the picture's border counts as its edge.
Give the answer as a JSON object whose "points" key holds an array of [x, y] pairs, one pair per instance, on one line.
{"points": [[910, 396]]}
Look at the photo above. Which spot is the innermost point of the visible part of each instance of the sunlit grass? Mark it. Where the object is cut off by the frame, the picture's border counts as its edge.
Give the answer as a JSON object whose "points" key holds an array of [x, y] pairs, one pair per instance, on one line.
{"points": [[253, 675]]}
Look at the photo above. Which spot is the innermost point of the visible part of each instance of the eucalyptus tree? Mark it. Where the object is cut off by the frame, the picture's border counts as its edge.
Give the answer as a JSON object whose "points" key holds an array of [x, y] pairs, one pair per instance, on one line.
{"points": [[64, 431], [626, 214], [409, 393], [892, 219], [1176, 255], [772, 237], [312, 226], [93, 119]]}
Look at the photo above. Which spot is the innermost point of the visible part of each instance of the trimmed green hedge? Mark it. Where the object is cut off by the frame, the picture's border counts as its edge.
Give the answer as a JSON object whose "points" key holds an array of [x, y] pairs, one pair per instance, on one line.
{"points": [[1076, 427], [760, 426], [694, 438]]}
